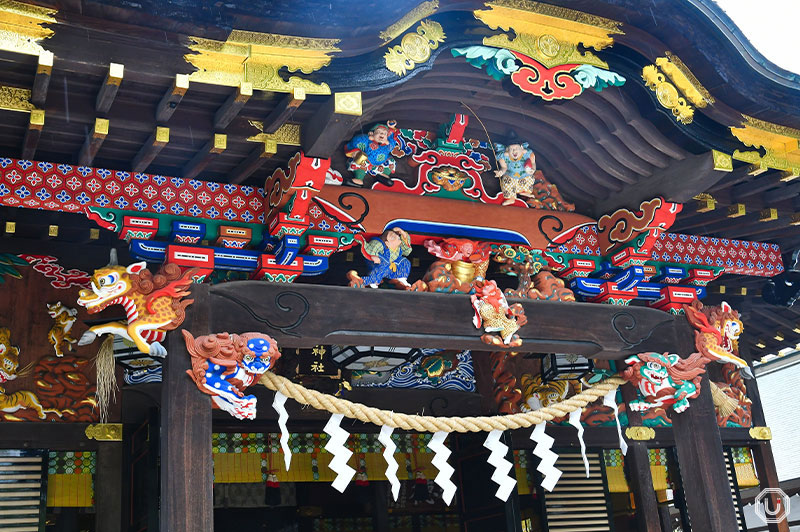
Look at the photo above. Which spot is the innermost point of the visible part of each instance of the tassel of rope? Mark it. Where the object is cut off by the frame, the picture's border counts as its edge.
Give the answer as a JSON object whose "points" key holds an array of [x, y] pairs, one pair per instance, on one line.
{"points": [[368, 414]]}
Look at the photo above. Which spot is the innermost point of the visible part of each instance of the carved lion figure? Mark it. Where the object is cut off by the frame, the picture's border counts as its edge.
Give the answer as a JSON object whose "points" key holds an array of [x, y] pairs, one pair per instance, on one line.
{"points": [[664, 380], [223, 365], [717, 332]]}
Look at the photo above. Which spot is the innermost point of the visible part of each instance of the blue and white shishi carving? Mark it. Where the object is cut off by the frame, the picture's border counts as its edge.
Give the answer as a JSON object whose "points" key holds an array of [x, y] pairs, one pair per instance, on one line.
{"points": [[224, 365]]}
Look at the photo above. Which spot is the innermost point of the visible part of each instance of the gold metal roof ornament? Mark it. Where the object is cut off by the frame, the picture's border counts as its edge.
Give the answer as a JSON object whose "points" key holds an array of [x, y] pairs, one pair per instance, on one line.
{"points": [[780, 143], [549, 34], [257, 58], [22, 27]]}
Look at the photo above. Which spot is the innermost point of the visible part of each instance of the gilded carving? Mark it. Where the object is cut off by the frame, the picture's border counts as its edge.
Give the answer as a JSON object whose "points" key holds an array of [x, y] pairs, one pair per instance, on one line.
{"points": [[257, 58], [548, 34], [425, 9], [347, 103], [104, 431], [780, 145], [15, 99], [761, 433], [287, 134], [667, 95], [640, 433], [415, 47], [722, 161], [683, 78], [22, 27]]}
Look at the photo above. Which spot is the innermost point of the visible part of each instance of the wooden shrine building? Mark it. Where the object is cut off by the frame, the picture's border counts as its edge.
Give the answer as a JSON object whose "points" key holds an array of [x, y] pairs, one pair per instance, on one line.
{"points": [[412, 266]]}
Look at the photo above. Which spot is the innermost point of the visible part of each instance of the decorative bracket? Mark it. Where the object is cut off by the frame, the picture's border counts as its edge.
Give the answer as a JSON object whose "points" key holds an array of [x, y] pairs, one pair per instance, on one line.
{"points": [[640, 433], [761, 433], [104, 432]]}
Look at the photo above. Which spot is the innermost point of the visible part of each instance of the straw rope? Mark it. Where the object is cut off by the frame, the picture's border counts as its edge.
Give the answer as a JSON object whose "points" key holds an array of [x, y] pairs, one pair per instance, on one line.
{"points": [[368, 414]]}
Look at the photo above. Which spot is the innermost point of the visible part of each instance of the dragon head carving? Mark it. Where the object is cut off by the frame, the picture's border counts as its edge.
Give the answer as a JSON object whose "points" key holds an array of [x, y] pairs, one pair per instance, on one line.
{"points": [[108, 284]]}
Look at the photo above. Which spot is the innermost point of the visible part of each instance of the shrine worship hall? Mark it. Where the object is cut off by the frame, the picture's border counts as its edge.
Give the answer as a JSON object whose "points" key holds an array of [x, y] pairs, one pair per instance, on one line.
{"points": [[450, 265]]}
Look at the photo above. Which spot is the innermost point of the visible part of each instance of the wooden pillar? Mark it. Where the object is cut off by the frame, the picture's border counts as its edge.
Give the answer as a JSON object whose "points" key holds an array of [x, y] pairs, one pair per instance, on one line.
{"points": [[702, 465], [108, 487], [762, 452], [187, 501], [640, 477]]}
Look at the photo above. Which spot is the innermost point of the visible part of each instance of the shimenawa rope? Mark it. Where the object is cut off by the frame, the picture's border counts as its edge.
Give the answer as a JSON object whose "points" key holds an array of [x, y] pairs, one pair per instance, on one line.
{"points": [[368, 414]]}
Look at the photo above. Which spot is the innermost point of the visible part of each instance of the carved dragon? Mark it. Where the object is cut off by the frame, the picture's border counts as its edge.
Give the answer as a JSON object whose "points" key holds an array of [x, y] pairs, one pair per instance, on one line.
{"points": [[153, 304]]}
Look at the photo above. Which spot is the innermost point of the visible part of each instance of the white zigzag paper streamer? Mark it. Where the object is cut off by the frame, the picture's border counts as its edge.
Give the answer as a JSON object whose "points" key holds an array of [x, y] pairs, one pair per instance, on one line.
{"points": [[341, 454], [440, 457], [501, 466], [279, 404], [610, 401], [575, 421], [385, 437], [546, 467]]}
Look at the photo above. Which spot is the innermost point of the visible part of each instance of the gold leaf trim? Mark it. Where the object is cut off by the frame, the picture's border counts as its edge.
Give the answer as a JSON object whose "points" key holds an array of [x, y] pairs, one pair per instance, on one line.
{"points": [[781, 145], [257, 58], [548, 34], [104, 431], [15, 99], [415, 47], [667, 94], [287, 135], [22, 27], [425, 9]]}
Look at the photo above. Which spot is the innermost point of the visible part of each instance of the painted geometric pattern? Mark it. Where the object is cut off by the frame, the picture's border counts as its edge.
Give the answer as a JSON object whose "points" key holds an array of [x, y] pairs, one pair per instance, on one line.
{"points": [[64, 187], [71, 463], [741, 257], [70, 479], [249, 457]]}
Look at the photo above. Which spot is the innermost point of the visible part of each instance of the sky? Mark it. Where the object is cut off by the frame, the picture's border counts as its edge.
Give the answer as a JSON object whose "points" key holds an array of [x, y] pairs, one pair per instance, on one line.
{"points": [[771, 26]]}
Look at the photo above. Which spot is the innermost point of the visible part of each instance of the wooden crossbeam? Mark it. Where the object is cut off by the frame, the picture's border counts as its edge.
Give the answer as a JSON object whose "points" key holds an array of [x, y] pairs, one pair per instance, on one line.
{"points": [[209, 152], [34, 131], [780, 320], [150, 149], [169, 102], [254, 161], [94, 139], [324, 132], [284, 110], [232, 106], [42, 80], [109, 89]]}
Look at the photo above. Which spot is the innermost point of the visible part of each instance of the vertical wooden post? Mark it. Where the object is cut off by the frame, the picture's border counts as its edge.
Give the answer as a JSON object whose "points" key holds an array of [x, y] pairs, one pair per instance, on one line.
{"points": [[637, 461], [762, 452], [702, 465], [187, 501], [108, 487]]}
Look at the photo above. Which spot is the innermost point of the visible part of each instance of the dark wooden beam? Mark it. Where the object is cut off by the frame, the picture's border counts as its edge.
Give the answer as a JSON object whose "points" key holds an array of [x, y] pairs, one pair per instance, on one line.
{"points": [[637, 462], [743, 191], [53, 436], [702, 465], [203, 158], [187, 501], [32, 134], [254, 161], [284, 110], [785, 192], [762, 451], [94, 139], [324, 132], [41, 82], [303, 315], [108, 487], [678, 182], [150, 149], [232, 106], [109, 89], [169, 102]]}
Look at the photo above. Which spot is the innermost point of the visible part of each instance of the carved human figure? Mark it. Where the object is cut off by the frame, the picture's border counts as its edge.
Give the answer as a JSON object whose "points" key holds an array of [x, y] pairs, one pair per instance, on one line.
{"points": [[388, 257], [371, 153], [517, 165]]}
